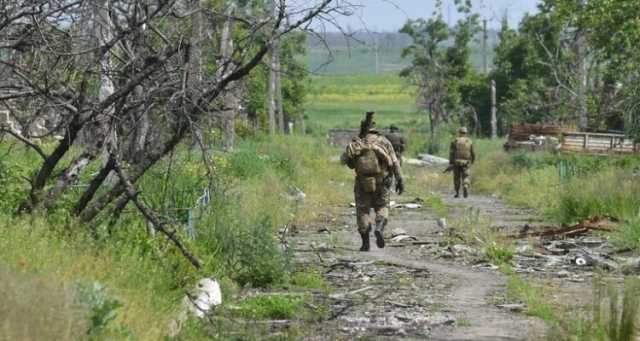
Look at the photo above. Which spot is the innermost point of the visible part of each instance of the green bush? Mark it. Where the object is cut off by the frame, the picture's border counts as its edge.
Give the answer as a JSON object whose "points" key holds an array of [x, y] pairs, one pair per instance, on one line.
{"points": [[270, 307], [498, 253], [310, 280], [246, 251], [13, 184], [102, 313], [611, 193]]}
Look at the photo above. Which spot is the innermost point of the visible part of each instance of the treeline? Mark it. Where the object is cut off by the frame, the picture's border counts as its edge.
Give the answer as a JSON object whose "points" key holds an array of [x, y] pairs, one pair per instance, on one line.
{"points": [[572, 63]]}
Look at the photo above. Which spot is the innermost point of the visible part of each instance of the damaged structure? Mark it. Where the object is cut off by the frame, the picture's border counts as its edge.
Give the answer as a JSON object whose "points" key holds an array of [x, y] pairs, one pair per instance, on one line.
{"points": [[538, 137]]}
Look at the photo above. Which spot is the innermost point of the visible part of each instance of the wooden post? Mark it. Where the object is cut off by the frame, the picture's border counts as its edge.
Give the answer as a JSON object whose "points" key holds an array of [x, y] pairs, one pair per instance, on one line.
{"points": [[586, 141], [494, 118]]}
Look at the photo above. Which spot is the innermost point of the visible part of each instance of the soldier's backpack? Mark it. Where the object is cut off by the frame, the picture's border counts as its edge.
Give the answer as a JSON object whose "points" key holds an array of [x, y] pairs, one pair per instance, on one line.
{"points": [[463, 149], [369, 161]]}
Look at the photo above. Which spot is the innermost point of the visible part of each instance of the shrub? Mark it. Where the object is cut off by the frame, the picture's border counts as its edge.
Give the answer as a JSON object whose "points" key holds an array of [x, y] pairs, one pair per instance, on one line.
{"points": [[611, 192], [270, 307], [310, 280], [102, 313], [498, 253]]}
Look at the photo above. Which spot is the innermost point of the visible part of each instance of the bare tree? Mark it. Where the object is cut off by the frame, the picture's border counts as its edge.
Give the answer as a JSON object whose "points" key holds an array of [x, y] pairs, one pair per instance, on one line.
{"points": [[142, 64]]}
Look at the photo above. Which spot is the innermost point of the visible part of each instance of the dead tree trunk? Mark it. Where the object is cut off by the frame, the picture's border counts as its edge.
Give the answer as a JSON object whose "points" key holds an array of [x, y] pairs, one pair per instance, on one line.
{"points": [[279, 106], [271, 95], [100, 128], [494, 118], [273, 81], [230, 102]]}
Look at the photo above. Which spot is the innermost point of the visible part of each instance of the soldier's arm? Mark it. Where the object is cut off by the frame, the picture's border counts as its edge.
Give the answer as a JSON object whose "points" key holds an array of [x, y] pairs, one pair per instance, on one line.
{"points": [[473, 154], [346, 160], [395, 167], [452, 152]]}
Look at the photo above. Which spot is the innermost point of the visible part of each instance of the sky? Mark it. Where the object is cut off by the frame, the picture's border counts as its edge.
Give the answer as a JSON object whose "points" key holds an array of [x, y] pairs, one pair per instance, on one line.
{"points": [[390, 15]]}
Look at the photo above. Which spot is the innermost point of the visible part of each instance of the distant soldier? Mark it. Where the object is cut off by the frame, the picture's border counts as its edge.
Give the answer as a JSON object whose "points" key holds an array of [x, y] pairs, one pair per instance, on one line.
{"points": [[461, 157], [372, 157], [397, 140]]}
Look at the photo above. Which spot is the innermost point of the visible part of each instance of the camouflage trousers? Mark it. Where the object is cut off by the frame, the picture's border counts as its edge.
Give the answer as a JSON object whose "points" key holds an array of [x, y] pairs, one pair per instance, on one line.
{"points": [[378, 201], [461, 175]]}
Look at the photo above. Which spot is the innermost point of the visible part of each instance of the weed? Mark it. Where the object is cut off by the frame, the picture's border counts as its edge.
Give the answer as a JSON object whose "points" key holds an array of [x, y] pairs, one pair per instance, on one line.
{"points": [[536, 298], [498, 254], [438, 206], [463, 323], [476, 230], [309, 280], [102, 312], [269, 307], [613, 317], [628, 233]]}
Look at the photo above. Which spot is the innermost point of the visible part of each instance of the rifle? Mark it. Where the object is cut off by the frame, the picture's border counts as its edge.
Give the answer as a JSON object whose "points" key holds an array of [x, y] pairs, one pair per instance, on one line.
{"points": [[366, 124], [449, 169]]}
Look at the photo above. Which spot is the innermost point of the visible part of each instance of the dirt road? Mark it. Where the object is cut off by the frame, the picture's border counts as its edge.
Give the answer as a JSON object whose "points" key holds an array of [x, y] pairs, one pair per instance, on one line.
{"points": [[414, 291]]}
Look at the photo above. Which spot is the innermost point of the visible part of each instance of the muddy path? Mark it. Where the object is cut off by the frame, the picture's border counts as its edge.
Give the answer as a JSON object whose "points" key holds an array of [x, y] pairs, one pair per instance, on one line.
{"points": [[415, 290]]}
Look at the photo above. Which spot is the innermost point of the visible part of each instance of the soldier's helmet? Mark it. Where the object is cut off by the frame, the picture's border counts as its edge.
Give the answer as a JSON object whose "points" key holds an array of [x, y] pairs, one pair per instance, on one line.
{"points": [[463, 130], [393, 128]]}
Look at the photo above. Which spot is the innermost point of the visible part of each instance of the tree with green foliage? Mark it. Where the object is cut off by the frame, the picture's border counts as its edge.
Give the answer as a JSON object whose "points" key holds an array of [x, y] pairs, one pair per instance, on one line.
{"points": [[438, 67], [294, 85], [574, 63]]}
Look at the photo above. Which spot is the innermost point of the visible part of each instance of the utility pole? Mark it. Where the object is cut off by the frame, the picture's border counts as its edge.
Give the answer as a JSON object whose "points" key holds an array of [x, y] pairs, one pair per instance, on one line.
{"points": [[375, 47], [485, 37], [494, 118], [583, 120]]}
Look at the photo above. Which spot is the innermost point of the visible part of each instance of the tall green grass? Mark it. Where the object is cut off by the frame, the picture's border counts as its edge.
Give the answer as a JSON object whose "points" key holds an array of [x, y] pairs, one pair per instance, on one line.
{"points": [[614, 314], [567, 188], [254, 192]]}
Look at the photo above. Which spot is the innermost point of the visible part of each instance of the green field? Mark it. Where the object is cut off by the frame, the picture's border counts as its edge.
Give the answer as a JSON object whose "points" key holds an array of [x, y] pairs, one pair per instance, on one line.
{"points": [[341, 101]]}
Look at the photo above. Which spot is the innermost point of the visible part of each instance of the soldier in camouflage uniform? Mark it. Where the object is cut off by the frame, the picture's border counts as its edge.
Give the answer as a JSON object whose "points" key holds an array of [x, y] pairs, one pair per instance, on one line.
{"points": [[461, 157], [397, 140], [372, 157]]}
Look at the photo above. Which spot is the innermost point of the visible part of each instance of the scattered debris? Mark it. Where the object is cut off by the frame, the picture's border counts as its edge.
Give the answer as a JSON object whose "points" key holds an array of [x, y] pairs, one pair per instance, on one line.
{"points": [[295, 194], [594, 224], [432, 160], [515, 307], [460, 250], [324, 229], [442, 223], [398, 232], [199, 302], [411, 206], [401, 238]]}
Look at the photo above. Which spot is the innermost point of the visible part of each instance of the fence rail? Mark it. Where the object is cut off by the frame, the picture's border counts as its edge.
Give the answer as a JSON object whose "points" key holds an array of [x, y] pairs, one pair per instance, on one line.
{"points": [[597, 143]]}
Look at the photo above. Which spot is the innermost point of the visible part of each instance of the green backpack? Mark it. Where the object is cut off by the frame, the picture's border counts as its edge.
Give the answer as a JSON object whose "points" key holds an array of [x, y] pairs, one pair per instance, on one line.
{"points": [[368, 164]]}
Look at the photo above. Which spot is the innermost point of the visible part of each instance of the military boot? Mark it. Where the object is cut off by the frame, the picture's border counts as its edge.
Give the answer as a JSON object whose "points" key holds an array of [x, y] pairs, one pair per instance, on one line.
{"points": [[365, 241], [457, 194], [465, 192]]}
